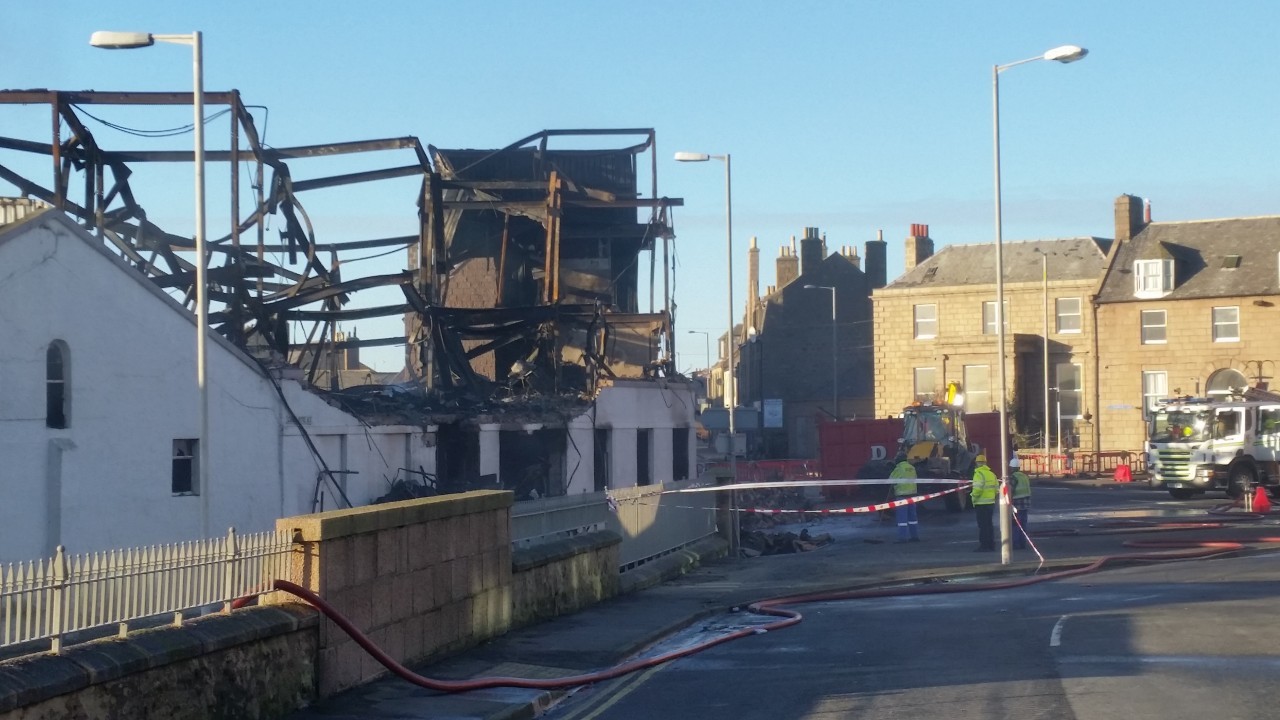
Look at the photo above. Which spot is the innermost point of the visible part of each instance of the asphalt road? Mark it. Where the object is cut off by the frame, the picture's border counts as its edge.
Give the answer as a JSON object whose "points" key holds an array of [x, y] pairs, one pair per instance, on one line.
{"points": [[1183, 639]]}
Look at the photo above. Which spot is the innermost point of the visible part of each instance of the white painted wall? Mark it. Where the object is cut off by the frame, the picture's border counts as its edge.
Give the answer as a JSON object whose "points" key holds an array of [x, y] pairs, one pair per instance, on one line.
{"points": [[630, 405], [104, 482]]}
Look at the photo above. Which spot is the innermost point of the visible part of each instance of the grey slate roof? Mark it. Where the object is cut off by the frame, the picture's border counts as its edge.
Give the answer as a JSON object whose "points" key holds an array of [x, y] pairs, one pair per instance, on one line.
{"points": [[1200, 249], [1079, 258]]}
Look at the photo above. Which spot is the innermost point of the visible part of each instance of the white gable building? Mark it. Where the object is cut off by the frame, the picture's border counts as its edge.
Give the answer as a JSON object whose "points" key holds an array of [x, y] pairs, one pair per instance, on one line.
{"points": [[99, 413]]}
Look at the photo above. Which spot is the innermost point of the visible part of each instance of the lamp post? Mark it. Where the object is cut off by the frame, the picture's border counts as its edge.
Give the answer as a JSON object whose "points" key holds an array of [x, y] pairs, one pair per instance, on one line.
{"points": [[1062, 54], [1044, 274], [128, 40], [835, 382], [730, 397], [706, 336]]}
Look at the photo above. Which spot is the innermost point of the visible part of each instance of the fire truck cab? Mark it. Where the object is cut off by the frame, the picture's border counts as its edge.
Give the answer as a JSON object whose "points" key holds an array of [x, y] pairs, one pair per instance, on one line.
{"points": [[1195, 445]]}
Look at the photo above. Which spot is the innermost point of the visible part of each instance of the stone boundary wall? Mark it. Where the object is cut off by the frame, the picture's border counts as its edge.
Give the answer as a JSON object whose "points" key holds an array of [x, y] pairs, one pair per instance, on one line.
{"points": [[422, 578], [563, 576], [256, 662]]}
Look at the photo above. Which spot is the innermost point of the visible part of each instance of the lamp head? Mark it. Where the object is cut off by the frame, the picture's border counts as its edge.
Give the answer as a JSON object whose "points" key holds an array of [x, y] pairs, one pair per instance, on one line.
{"points": [[1066, 54], [692, 157], [810, 287], [120, 40]]}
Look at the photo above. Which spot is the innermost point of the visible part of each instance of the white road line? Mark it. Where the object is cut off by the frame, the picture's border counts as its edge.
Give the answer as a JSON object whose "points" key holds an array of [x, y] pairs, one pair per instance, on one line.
{"points": [[1055, 637]]}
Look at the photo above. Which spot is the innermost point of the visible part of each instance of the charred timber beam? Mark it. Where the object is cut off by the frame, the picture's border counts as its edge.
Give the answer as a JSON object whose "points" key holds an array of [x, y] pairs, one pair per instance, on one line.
{"points": [[405, 240], [352, 178], [568, 201], [357, 314], [92, 97], [273, 154]]}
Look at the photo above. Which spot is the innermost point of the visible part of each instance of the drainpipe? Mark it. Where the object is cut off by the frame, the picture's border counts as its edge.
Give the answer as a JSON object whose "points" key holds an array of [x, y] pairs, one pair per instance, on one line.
{"points": [[1097, 378]]}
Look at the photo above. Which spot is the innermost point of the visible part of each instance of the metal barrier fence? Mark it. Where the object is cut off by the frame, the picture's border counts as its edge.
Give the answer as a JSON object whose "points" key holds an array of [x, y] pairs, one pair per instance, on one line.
{"points": [[653, 524], [1077, 462], [534, 521], [52, 597]]}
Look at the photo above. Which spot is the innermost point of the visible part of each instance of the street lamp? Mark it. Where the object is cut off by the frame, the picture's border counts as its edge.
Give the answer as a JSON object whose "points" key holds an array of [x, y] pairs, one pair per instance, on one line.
{"points": [[835, 383], [706, 337], [1062, 54], [128, 40], [730, 397]]}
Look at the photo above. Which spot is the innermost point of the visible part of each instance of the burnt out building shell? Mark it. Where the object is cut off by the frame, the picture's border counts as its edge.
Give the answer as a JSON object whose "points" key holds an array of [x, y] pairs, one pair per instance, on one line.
{"points": [[519, 292]]}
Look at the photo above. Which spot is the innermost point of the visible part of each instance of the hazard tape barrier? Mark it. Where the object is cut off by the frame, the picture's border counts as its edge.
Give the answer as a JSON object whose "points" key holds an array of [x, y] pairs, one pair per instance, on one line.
{"points": [[816, 483], [889, 505], [877, 507]]}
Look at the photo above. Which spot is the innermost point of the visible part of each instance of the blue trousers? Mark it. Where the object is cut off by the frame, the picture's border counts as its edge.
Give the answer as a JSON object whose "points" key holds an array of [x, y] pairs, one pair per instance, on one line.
{"points": [[1023, 506], [908, 524]]}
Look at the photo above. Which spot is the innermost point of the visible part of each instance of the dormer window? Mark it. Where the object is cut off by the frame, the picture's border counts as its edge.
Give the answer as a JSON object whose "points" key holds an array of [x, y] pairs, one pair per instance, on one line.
{"points": [[1152, 278]]}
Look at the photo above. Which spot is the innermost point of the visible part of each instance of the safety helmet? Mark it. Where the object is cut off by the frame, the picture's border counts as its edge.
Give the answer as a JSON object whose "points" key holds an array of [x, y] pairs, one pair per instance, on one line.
{"points": [[982, 458], [1014, 462]]}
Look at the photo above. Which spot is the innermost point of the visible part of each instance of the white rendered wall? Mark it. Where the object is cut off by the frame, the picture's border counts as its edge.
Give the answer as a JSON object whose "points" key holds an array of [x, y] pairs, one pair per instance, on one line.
{"points": [[629, 405], [105, 481]]}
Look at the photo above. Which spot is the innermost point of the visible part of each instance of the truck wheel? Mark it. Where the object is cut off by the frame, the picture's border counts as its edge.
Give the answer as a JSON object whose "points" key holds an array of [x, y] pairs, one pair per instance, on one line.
{"points": [[1181, 493], [1239, 479]]}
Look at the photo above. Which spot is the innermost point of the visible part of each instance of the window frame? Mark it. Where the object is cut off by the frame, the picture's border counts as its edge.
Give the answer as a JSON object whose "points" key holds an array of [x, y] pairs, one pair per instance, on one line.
{"points": [[190, 460], [1149, 397], [989, 319], [57, 395], [915, 383], [1159, 270], [918, 322], [969, 392], [1143, 327], [1059, 315], [1215, 324], [1077, 393]]}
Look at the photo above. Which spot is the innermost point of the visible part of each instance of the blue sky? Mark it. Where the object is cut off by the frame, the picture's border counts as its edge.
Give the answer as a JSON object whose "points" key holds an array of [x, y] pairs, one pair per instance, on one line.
{"points": [[851, 117]]}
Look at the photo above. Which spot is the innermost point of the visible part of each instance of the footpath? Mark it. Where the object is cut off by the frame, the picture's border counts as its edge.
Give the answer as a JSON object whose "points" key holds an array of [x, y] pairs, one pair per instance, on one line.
{"points": [[862, 554]]}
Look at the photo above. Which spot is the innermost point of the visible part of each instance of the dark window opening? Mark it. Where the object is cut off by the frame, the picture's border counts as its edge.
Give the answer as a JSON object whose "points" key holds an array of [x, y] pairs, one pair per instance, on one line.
{"points": [[680, 453], [644, 468], [183, 480], [56, 385], [602, 459]]}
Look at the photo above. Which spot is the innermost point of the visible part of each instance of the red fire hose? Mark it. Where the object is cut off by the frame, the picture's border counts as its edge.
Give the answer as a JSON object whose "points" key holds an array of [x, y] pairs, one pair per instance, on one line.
{"points": [[1188, 550]]}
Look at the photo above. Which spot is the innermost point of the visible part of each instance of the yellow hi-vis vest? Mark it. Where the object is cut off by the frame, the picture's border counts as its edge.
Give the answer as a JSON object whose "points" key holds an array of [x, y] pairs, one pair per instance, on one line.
{"points": [[1021, 485], [985, 485], [904, 471]]}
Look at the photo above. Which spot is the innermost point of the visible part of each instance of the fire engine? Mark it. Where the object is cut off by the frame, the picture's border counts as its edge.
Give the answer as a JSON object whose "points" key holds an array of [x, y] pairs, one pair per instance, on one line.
{"points": [[1229, 443]]}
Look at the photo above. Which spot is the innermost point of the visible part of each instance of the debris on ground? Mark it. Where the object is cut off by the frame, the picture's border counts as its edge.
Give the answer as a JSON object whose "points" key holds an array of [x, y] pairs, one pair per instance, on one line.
{"points": [[757, 542]]}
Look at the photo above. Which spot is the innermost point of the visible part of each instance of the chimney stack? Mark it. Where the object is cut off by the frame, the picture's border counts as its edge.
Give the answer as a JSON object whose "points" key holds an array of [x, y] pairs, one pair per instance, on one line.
{"points": [[851, 254], [919, 245], [753, 282], [788, 265], [1129, 217], [810, 250], [877, 262]]}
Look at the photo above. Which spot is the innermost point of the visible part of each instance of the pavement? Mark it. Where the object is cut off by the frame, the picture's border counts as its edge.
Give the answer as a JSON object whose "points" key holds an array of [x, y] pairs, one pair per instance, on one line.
{"points": [[863, 553]]}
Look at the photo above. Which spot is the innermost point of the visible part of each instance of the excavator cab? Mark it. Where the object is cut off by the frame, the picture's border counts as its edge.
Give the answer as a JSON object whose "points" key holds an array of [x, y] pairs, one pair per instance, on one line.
{"points": [[935, 441]]}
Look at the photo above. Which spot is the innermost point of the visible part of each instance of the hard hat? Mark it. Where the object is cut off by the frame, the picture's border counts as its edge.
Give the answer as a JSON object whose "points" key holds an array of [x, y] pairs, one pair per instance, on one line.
{"points": [[1014, 462], [982, 458]]}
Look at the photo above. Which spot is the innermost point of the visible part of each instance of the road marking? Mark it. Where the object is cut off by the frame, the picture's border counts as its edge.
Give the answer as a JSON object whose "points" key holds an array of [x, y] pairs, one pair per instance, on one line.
{"points": [[622, 692], [1055, 637]]}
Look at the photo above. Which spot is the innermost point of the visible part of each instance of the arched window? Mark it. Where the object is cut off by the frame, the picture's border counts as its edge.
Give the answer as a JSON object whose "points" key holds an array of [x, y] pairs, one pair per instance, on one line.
{"points": [[1223, 382], [57, 360]]}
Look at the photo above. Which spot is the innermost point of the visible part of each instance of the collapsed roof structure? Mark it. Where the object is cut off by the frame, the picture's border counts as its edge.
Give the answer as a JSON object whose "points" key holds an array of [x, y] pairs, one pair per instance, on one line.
{"points": [[520, 283]]}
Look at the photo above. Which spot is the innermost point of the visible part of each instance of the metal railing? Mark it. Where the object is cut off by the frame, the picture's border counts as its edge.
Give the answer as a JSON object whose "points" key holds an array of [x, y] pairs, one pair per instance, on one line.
{"points": [[53, 597], [654, 523], [551, 518], [651, 523], [1082, 462]]}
